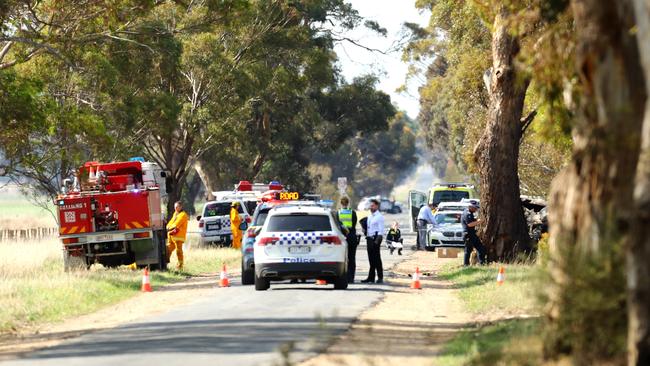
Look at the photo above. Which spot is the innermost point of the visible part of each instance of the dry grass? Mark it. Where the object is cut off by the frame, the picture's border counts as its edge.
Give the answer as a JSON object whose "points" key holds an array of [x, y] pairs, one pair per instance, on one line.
{"points": [[34, 288]]}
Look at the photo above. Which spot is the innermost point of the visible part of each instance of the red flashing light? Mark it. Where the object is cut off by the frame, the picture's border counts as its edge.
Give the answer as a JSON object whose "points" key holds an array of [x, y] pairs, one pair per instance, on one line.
{"points": [[201, 223], [244, 186], [275, 186]]}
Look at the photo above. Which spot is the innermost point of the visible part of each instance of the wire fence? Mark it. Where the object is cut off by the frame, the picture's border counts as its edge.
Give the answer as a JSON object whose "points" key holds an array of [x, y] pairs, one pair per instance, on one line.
{"points": [[28, 234]]}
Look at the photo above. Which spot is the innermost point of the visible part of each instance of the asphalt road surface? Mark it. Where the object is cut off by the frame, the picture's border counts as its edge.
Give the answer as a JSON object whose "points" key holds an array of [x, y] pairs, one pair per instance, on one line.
{"points": [[230, 326]]}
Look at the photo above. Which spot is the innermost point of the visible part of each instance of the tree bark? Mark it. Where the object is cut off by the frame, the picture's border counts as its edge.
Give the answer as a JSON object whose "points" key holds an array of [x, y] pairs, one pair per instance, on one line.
{"points": [[638, 250], [209, 177], [504, 231], [590, 200]]}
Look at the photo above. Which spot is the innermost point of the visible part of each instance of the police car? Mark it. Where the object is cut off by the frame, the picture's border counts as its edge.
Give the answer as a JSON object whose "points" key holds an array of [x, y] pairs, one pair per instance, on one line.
{"points": [[300, 242], [248, 244], [214, 222]]}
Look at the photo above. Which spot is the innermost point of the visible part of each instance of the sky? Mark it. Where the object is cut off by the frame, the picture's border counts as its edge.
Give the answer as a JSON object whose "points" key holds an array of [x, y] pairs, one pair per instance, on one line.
{"points": [[356, 61]]}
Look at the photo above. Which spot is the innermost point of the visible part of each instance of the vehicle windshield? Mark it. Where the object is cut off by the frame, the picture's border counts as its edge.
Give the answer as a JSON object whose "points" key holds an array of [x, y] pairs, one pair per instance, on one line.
{"points": [[250, 205], [447, 218], [218, 209], [451, 208], [304, 223], [261, 217], [449, 196]]}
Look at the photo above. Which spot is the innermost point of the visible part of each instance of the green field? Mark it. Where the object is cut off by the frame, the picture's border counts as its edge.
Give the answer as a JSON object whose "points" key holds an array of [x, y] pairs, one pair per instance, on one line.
{"points": [[17, 212]]}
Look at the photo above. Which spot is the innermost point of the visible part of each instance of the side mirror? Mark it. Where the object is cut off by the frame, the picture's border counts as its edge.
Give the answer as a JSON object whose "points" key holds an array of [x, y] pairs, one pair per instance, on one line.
{"points": [[168, 185], [198, 218], [243, 226]]}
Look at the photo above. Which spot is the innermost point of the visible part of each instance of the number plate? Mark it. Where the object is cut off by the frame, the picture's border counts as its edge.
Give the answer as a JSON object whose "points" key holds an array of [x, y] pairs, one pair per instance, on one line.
{"points": [[299, 250], [103, 237], [210, 227]]}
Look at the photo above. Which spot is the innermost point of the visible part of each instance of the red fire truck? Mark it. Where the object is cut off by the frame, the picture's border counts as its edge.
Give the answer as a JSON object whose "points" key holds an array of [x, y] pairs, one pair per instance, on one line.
{"points": [[111, 214]]}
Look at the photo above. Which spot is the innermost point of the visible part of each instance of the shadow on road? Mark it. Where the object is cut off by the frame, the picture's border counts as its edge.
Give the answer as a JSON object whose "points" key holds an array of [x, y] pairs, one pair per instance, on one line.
{"points": [[234, 336]]}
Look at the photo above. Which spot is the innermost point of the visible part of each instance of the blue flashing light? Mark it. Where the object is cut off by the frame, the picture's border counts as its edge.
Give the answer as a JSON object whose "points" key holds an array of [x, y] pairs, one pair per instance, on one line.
{"points": [[137, 158]]}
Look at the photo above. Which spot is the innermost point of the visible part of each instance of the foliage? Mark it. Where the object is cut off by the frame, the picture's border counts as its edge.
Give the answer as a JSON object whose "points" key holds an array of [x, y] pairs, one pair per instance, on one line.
{"points": [[454, 52], [372, 162], [590, 324], [248, 87]]}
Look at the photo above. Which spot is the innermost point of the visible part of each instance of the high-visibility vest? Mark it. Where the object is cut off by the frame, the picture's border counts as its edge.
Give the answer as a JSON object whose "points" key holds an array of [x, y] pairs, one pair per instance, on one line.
{"points": [[345, 215]]}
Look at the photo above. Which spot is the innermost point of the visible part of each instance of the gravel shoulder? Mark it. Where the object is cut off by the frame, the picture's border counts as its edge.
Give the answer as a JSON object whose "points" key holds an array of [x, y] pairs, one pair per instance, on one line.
{"points": [[408, 326]]}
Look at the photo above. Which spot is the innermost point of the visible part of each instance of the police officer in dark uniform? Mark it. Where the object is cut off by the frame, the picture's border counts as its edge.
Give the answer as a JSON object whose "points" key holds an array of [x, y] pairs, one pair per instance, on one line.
{"points": [[348, 219], [472, 240]]}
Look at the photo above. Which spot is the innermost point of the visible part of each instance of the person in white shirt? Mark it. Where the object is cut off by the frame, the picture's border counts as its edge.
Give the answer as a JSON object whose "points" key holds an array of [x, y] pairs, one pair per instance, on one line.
{"points": [[425, 218], [374, 236]]}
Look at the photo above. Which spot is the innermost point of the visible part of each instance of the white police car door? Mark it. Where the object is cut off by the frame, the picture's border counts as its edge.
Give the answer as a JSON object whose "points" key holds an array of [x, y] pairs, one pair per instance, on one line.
{"points": [[301, 238], [416, 200]]}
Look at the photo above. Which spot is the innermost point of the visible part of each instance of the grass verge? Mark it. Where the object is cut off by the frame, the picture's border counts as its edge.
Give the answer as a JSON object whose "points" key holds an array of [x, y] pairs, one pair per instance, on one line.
{"points": [[479, 290], [498, 342], [508, 342], [34, 289]]}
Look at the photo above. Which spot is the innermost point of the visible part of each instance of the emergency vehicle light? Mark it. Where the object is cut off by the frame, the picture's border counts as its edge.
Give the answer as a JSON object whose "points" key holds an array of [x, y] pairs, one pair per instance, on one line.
{"points": [[137, 158], [244, 186]]}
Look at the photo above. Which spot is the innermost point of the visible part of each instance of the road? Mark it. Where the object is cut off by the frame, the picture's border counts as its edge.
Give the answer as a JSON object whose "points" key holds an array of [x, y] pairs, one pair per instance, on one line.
{"points": [[230, 326]]}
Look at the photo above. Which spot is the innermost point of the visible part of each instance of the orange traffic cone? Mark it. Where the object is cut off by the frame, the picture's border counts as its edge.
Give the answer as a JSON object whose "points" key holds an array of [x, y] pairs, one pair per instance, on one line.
{"points": [[224, 282], [146, 284], [415, 284], [321, 282], [501, 276]]}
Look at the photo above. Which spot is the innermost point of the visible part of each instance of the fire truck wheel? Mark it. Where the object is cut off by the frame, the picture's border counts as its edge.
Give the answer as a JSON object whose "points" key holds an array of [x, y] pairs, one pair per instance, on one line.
{"points": [[73, 263], [162, 256]]}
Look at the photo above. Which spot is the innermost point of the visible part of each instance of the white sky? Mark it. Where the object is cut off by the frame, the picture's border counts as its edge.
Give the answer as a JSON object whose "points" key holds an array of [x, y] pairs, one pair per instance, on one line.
{"points": [[355, 61]]}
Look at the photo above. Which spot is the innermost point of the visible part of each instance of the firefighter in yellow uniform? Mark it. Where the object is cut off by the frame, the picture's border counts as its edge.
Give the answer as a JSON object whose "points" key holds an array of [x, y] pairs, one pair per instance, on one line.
{"points": [[176, 233], [235, 223]]}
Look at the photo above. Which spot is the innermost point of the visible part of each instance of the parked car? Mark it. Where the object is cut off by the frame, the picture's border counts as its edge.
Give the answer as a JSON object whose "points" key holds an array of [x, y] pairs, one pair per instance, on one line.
{"points": [[214, 222]]}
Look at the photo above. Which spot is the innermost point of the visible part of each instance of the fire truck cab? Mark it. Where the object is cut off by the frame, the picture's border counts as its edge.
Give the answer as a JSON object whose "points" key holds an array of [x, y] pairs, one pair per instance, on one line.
{"points": [[112, 215]]}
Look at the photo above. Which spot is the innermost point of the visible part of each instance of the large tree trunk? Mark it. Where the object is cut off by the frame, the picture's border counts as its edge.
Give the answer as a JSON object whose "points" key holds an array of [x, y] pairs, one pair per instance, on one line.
{"points": [[209, 177], [590, 199], [504, 232], [638, 253]]}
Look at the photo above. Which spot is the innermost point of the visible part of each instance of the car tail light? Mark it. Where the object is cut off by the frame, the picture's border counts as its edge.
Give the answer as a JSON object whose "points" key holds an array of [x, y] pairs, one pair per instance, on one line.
{"points": [[332, 239], [141, 235], [70, 240], [201, 223], [267, 240]]}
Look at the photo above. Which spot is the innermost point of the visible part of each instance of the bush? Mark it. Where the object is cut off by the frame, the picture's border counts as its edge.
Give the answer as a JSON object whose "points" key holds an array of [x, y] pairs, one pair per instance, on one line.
{"points": [[586, 305]]}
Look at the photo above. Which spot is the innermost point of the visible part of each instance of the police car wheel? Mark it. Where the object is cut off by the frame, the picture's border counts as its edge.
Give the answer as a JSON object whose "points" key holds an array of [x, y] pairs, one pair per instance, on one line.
{"points": [[262, 284], [341, 283], [247, 276]]}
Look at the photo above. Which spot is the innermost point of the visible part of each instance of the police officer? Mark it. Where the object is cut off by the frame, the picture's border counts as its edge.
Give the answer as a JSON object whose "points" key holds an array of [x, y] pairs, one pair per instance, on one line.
{"points": [[348, 218], [425, 217], [472, 240], [374, 236]]}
